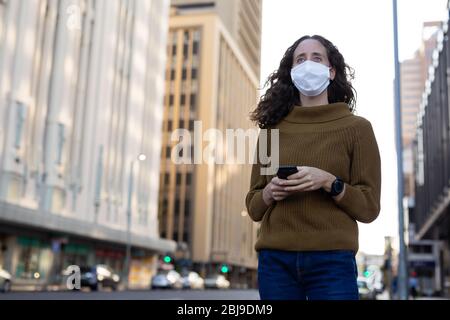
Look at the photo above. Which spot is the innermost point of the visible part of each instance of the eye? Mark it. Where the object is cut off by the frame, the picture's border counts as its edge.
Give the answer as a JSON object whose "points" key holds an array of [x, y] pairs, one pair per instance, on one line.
{"points": [[318, 59], [300, 60]]}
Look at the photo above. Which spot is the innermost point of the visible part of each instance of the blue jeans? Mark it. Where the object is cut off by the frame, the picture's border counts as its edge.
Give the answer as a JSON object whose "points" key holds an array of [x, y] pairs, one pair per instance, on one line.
{"points": [[307, 275]]}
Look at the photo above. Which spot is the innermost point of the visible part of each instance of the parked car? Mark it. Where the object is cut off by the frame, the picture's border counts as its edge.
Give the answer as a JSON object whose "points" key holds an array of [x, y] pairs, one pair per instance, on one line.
{"points": [[167, 279], [365, 291], [99, 276], [217, 281], [192, 280], [5, 280]]}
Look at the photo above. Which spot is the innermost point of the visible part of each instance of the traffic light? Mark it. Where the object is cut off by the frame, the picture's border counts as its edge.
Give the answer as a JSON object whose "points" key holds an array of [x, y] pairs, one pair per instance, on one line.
{"points": [[167, 259], [224, 268]]}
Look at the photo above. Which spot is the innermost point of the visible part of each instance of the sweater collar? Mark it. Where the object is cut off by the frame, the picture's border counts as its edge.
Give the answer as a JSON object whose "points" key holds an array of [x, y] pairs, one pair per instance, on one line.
{"points": [[316, 114]]}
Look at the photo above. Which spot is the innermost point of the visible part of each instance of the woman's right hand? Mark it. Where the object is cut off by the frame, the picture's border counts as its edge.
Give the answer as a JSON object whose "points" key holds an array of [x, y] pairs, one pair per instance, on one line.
{"points": [[274, 191]]}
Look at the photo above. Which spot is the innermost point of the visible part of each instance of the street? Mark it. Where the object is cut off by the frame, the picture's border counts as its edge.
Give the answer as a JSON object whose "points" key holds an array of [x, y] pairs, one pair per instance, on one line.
{"points": [[135, 295]]}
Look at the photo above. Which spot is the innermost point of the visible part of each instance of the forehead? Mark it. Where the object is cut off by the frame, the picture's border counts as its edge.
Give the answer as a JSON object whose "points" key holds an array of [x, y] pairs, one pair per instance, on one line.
{"points": [[309, 46]]}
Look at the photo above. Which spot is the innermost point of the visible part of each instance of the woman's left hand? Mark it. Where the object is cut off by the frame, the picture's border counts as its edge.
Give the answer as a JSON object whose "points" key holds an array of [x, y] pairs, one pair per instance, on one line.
{"points": [[308, 179]]}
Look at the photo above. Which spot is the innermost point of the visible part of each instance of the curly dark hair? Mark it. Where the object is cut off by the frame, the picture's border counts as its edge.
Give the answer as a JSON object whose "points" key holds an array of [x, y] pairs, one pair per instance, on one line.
{"points": [[282, 95]]}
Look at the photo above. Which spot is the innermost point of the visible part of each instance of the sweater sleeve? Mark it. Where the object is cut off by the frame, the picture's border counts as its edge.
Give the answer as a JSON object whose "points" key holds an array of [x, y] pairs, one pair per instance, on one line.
{"points": [[361, 199], [256, 207]]}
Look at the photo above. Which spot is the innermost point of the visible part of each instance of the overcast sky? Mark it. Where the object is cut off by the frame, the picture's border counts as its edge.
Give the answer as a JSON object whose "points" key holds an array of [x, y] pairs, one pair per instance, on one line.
{"points": [[362, 31]]}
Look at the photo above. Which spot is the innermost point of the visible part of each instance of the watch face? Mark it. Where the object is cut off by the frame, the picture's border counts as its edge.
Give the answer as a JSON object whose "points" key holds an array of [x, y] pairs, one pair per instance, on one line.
{"points": [[338, 185]]}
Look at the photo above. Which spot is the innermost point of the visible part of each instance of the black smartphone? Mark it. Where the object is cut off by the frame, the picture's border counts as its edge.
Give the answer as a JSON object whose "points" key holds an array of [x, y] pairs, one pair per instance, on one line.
{"points": [[285, 171]]}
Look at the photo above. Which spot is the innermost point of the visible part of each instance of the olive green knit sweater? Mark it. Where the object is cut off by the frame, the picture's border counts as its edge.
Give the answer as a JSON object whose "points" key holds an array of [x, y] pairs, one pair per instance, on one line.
{"points": [[331, 138]]}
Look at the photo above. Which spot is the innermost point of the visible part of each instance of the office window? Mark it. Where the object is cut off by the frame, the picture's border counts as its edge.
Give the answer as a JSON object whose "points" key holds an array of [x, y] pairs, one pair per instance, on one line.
{"points": [[21, 111], [195, 46], [188, 178], [183, 99], [193, 101], [61, 141], [194, 73], [166, 181], [187, 208]]}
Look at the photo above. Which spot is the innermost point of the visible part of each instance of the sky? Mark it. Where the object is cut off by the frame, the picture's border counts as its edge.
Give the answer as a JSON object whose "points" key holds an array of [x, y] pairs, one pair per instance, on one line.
{"points": [[362, 32]]}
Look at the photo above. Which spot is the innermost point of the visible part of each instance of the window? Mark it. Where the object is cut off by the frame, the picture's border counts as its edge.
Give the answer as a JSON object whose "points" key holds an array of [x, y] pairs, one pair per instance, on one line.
{"points": [[191, 125], [61, 140], [166, 181], [193, 100], [168, 151], [172, 74], [184, 74], [195, 46], [169, 125], [188, 178], [181, 124], [171, 99], [194, 73], [183, 99], [178, 179], [21, 110], [187, 208]]}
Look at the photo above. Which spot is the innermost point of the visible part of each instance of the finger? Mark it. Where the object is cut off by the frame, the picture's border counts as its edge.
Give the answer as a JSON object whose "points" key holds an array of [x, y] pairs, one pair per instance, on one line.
{"points": [[300, 187], [277, 181], [297, 175], [274, 187], [280, 194], [293, 182]]}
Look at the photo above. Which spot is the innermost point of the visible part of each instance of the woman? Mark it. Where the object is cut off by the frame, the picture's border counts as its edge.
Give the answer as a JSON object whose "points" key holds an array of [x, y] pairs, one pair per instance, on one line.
{"points": [[309, 235]]}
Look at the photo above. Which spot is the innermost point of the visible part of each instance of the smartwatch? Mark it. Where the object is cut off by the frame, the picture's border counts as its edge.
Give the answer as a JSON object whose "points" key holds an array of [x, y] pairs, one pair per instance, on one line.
{"points": [[336, 187]]}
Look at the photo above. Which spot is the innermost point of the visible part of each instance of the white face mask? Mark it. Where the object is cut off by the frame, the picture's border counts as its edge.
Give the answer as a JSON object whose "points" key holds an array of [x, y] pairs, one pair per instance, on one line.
{"points": [[311, 78]]}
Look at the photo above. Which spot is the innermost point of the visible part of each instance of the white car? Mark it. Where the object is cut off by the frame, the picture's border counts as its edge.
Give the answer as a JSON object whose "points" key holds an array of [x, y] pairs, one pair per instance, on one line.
{"points": [[217, 281], [167, 279], [192, 280]]}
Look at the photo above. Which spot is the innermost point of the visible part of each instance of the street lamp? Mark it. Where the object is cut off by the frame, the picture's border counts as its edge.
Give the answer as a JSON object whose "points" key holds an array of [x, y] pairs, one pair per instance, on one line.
{"points": [[141, 157], [402, 273]]}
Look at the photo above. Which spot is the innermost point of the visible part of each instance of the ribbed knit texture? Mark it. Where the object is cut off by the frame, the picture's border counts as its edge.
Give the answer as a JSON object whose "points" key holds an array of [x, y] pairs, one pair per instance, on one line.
{"points": [[331, 138]]}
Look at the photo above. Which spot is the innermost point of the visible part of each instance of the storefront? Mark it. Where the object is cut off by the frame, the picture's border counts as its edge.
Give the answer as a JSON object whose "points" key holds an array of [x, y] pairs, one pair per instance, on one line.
{"points": [[34, 259], [76, 254]]}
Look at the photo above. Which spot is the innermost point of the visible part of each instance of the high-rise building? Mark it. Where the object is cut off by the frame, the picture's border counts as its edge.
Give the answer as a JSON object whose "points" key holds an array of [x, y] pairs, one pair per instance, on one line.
{"points": [[81, 91], [429, 219], [242, 19], [202, 206], [413, 76]]}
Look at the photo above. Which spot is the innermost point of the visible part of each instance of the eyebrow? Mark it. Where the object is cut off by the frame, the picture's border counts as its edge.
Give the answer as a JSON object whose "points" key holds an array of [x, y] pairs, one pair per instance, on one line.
{"points": [[317, 54]]}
